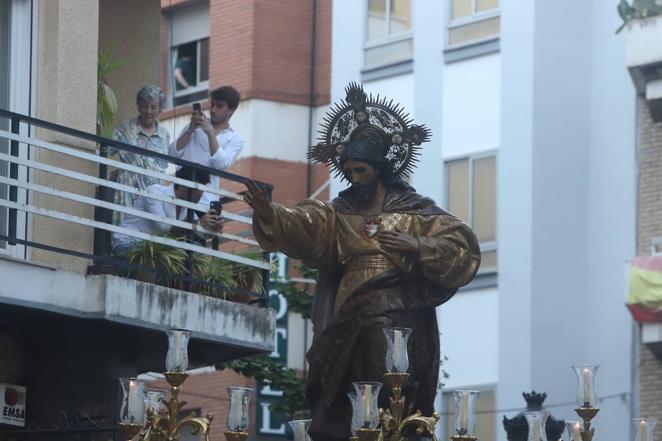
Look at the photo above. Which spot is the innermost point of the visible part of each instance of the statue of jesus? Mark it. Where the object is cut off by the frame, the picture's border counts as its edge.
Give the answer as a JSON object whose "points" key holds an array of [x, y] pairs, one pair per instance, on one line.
{"points": [[387, 257]]}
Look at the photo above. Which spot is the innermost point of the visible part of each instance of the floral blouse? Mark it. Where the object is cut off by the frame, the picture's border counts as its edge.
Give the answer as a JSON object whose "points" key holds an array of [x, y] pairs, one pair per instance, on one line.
{"points": [[131, 132]]}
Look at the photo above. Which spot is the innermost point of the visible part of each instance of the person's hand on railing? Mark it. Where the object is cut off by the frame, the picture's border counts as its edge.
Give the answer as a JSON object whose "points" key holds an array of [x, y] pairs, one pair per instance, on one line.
{"points": [[212, 221]]}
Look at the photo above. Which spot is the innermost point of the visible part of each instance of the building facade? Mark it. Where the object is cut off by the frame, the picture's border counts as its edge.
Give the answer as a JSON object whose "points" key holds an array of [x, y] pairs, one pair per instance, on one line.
{"points": [[644, 59], [278, 56], [532, 121], [68, 329]]}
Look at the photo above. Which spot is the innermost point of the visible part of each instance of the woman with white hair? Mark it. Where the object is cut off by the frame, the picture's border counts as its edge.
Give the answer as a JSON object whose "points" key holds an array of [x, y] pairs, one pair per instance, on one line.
{"points": [[144, 131]]}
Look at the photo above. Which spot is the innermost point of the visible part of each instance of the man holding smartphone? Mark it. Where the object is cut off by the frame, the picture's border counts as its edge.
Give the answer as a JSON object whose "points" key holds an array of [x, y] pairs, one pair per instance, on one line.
{"points": [[211, 141]]}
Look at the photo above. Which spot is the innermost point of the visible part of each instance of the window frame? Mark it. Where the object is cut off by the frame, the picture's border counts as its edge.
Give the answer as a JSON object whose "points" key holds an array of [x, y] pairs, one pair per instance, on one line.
{"points": [[485, 246], [475, 17], [388, 39], [199, 85]]}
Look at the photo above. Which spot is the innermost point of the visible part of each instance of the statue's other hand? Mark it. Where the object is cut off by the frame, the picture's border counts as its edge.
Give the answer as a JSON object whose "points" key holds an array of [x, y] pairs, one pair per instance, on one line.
{"points": [[398, 241], [257, 198]]}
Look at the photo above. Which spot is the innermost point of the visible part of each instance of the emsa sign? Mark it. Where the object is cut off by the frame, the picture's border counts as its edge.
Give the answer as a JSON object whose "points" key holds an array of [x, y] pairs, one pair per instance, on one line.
{"points": [[13, 405]]}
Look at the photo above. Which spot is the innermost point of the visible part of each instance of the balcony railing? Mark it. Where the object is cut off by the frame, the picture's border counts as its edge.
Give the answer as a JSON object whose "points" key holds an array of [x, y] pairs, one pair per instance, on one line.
{"points": [[21, 206]]}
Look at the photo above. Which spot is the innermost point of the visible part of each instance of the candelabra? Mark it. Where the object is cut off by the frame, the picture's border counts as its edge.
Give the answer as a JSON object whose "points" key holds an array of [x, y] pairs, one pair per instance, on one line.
{"points": [[163, 422], [585, 398], [369, 422]]}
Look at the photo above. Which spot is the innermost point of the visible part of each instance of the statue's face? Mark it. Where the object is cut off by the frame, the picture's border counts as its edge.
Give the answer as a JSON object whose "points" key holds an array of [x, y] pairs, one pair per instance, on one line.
{"points": [[363, 177]]}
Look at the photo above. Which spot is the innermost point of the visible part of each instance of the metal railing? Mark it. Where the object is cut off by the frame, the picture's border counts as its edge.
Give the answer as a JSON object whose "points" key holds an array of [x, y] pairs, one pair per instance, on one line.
{"points": [[23, 142]]}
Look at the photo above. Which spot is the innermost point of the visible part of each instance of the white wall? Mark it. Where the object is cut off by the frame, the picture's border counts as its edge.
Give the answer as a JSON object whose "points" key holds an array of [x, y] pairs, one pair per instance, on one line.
{"points": [[468, 324], [471, 106], [514, 181], [611, 237], [270, 129]]}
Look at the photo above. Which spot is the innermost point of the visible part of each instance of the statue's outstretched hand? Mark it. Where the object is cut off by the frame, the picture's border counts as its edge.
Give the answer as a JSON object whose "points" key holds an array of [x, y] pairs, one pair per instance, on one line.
{"points": [[398, 241], [257, 198]]}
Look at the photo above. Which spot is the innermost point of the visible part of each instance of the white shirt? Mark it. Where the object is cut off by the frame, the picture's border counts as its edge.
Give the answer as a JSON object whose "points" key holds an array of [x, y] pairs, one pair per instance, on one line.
{"points": [[230, 144], [153, 206]]}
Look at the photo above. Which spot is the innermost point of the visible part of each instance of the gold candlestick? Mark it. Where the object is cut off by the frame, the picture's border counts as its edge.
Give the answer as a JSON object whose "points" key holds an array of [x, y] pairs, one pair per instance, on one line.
{"points": [[457, 437], [129, 430], [370, 434], [393, 422], [236, 436], [166, 426], [587, 413]]}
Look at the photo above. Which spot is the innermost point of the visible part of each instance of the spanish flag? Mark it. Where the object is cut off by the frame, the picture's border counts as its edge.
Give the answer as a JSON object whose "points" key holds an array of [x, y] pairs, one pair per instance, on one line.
{"points": [[645, 289]]}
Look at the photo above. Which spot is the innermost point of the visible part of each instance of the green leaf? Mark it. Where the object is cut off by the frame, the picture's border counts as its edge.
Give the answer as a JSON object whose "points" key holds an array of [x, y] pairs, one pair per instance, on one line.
{"points": [[111, 99]]}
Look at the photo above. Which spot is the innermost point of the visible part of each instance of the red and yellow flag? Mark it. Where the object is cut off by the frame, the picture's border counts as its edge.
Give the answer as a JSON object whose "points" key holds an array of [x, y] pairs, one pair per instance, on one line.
{"points": [[645, 289]]}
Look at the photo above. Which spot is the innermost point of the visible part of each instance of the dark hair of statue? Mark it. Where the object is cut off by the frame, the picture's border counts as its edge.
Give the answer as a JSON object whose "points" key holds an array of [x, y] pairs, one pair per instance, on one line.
{"points": [[371, 152]]}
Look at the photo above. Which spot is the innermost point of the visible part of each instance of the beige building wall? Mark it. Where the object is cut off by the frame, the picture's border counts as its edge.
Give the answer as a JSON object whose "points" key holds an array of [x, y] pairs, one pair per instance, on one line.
{"points": [[69, 36], [135, 27], [650, 226], [67, 43]]}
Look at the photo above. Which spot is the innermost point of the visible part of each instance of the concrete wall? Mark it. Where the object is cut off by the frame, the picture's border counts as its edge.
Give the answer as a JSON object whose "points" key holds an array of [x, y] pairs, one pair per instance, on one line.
{"points": [[565, 163], [611, 238], [472, 351], [66, 94], [135, 28]]}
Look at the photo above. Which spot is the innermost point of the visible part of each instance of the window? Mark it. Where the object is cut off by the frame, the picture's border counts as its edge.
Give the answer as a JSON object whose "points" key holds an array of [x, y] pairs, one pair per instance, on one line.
{"points": [[388, 37], [191, 71], [189, 54], [471, 196], [473, 21]]}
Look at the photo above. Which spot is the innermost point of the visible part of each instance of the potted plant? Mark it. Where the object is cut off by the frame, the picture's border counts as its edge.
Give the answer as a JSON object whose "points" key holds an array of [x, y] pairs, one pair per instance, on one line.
{"points": [[158, 256]]}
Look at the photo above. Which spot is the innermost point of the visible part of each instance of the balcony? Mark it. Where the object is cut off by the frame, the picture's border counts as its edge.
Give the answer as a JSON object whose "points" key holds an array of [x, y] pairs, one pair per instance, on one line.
{"points": [[63, 288], [644, 60]]}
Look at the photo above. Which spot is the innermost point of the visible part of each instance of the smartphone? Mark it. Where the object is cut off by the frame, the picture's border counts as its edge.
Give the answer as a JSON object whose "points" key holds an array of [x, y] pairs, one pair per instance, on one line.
{"points": [[216, 206], [197, 107]]}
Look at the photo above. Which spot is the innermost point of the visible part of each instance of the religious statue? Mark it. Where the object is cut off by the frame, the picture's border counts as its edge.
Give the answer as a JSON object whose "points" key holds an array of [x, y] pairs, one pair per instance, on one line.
{"points": [[386, 255]]}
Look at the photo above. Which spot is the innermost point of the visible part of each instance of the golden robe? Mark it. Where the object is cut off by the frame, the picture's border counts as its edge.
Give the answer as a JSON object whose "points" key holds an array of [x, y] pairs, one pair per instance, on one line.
{"points": [[363, 288]]}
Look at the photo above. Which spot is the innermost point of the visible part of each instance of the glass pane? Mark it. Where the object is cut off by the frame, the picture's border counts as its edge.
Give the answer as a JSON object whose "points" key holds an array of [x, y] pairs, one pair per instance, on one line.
{"points": [[204, 60], [484, 199], [458, 189], [460, 8], [486, 5], [474, 31], [400, 16], [377, 26], [389, 53], [488, 262]]}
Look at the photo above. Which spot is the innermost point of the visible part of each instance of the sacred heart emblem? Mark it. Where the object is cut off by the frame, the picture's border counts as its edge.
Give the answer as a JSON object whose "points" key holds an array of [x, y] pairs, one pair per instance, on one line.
{"points": [[371, 226]]}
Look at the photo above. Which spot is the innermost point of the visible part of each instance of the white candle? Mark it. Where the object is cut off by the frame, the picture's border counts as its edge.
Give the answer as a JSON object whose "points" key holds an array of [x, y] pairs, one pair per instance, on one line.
{"points": [[536, 428], [235, 410], [136, 402], [464, 411], [397, 347], [178, 344], [576, 436], [302, 432], [643, 431], [367, 403], [586, 375]]}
